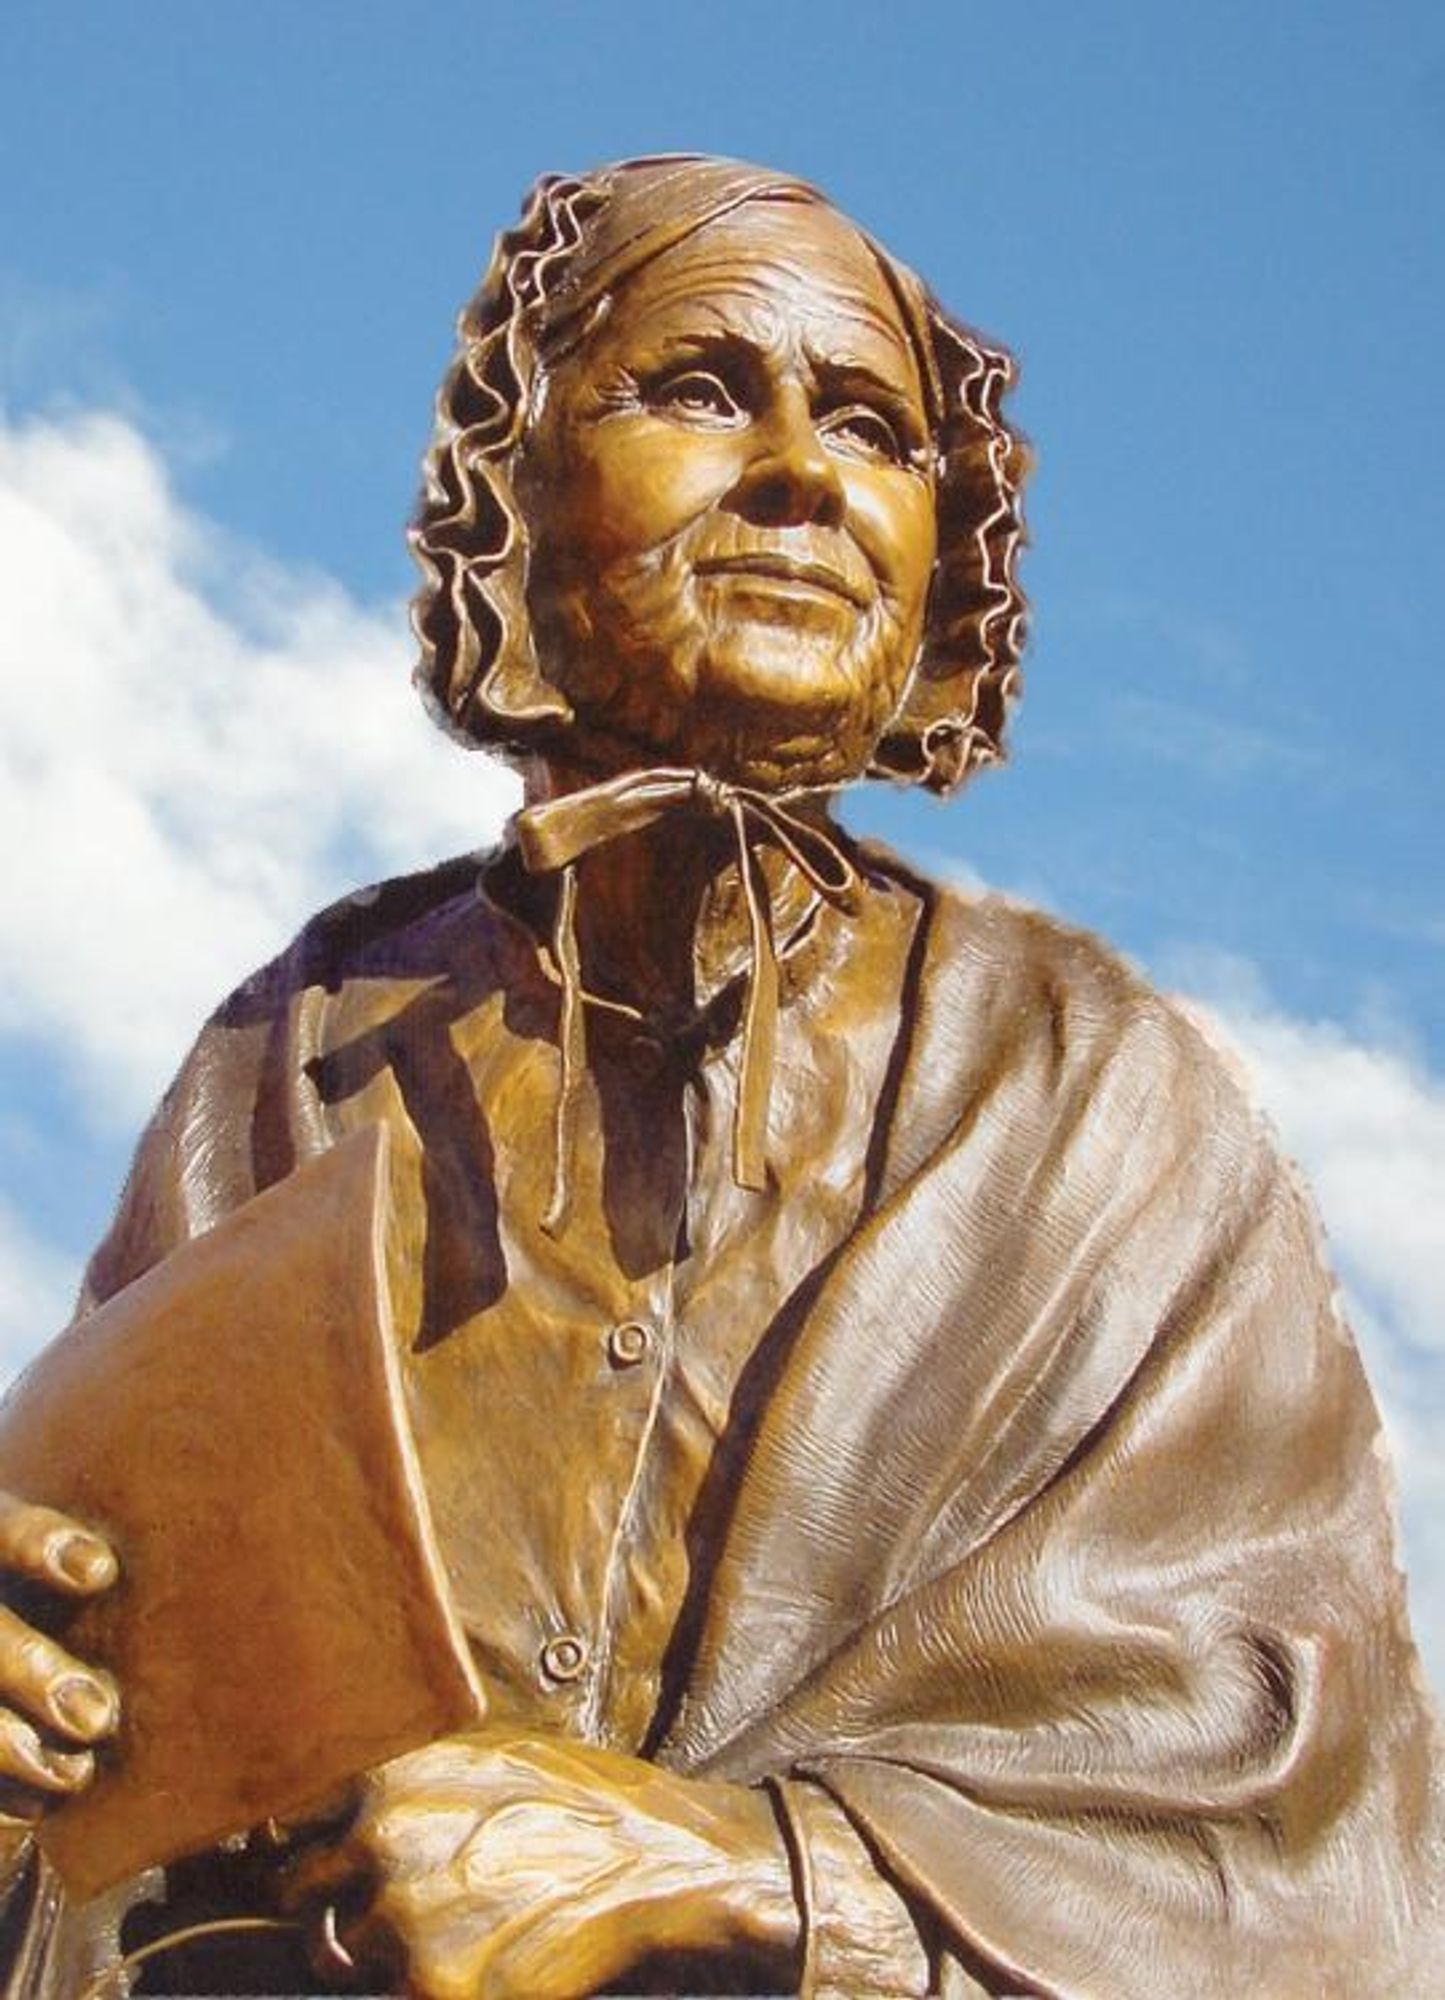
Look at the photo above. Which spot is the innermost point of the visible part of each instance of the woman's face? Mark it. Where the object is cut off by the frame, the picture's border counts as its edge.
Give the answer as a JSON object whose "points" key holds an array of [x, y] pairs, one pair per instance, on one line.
{"points": [[729, 497]]}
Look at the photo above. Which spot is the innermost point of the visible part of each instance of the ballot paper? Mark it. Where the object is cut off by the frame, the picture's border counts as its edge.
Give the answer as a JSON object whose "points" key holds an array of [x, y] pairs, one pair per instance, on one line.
{"points": [[234, 1423]]}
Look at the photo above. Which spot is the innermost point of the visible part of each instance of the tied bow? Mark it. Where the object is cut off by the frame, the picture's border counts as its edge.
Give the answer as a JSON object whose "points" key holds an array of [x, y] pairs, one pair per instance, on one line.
{"points": [[551, 838]]}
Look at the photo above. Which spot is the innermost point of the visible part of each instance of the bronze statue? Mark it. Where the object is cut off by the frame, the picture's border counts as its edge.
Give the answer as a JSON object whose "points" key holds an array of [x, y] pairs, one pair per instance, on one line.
{"points": [[914, 1510]]}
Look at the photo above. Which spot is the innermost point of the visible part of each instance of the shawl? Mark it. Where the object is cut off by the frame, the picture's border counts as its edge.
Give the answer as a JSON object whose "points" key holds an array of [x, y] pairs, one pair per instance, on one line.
{"points": [[1060, 1552]]}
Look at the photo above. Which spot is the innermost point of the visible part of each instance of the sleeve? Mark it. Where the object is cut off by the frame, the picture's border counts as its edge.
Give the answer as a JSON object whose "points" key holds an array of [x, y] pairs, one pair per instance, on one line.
{"points": [[858, 1933], [232, 1122]]}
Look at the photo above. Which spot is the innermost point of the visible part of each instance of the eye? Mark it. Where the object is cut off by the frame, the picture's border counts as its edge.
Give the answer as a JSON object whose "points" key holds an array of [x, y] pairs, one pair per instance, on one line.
{"points": [[695, 396], [867, 432]]}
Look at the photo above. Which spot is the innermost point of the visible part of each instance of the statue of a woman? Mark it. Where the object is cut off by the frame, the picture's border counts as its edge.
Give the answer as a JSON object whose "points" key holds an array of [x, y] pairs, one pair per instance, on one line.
{"points": [[915, 1510]]}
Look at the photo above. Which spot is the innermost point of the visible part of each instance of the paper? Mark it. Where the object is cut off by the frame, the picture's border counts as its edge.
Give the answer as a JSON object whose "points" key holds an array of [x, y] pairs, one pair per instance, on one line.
{"points": [[234, 1423]]}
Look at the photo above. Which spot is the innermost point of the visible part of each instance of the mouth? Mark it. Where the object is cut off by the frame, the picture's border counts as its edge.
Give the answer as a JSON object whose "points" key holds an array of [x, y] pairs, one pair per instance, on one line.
{"points": [[800, 572]]}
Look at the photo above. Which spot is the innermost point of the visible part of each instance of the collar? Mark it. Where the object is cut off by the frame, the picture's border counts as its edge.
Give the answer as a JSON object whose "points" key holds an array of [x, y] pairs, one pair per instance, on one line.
{"points": [[552, 837]]}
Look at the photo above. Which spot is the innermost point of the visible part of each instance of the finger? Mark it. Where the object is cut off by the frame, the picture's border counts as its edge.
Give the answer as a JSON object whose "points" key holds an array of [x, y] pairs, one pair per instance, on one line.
{"points": [[26, 1760], [41, 1543], [52, 1687]]}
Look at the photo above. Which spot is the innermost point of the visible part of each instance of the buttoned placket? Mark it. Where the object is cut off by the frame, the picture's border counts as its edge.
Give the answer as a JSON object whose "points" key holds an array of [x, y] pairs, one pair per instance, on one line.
{"points": [[572, 1658], [633, 1349], [659, 1348], [616, 1529], [657, 1356], [713, 1083]]}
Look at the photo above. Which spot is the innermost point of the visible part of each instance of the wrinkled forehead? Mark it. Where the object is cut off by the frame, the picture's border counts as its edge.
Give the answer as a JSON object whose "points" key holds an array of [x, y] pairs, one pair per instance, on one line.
{"points": [[804, 286], [639, 211]]}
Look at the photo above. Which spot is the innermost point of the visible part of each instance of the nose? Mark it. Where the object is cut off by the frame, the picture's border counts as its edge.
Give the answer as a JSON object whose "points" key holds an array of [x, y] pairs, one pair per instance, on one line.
{"points": [[790, 478]]}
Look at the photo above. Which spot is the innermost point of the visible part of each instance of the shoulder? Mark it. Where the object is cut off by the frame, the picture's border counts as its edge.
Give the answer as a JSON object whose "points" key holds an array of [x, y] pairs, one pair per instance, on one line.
{"points": [[390, 928], [1050, 1026], [1004, 966], [239, 1112]]}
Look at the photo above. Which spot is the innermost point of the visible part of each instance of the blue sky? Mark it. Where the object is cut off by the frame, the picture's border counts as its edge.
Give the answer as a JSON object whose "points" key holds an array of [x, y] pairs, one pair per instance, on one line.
{"points": [[233, 243]]}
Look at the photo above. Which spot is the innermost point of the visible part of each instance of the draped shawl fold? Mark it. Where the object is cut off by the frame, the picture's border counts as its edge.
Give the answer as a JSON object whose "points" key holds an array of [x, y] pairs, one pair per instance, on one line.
{"points": [[1061, 1554]]}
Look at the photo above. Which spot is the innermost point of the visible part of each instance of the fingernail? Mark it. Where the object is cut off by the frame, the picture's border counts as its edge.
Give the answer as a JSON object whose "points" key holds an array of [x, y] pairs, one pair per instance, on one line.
{"points": [[71, 1767], [83, 1560], [84, 1705]]}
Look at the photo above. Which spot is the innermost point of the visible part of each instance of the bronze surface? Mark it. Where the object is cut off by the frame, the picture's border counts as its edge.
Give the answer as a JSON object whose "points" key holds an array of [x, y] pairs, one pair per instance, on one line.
{"points": [[281, 1617], [903, 1487]]}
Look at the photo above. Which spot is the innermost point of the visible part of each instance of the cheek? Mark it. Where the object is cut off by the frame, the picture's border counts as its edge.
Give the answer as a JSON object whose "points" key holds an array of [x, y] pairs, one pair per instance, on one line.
{"points": [[895, 526], [635, 487]]}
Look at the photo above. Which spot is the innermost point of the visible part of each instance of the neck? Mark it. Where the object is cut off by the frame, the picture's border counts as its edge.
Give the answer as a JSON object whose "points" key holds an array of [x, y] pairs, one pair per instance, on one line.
{"points": [[642, 899]]}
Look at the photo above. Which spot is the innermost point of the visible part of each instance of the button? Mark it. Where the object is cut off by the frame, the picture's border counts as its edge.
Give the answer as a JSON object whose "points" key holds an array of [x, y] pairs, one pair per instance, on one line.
{"points": [[565, 1657], [628, 1343]]}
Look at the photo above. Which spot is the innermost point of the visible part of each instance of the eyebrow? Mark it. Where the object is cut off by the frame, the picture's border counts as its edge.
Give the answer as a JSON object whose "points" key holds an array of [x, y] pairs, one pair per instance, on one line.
{"points": [[832, 371], [858, 376]]}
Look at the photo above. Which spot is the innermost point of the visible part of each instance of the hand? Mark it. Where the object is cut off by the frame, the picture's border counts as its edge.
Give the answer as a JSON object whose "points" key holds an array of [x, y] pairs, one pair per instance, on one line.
{"points": [[51, 1706], [506, 1865]]}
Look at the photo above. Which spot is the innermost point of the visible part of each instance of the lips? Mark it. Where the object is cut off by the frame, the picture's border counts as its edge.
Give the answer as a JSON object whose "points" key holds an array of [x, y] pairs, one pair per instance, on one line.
{"points": [[806, 571]]}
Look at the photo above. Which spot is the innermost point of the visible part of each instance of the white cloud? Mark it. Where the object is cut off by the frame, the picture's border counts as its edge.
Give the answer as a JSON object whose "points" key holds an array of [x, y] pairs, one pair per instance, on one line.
{"points": [[1366, 1120], [197, 747]]}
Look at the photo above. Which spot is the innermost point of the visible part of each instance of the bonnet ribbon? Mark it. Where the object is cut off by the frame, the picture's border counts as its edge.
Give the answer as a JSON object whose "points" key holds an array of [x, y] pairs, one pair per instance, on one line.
{"points": [[554, 834]]}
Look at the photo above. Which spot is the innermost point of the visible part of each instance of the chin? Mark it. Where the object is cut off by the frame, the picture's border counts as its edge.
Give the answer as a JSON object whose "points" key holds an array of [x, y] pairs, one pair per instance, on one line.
{"points": [[755, 703], [782, 671], [782, 711], [818, 730]]}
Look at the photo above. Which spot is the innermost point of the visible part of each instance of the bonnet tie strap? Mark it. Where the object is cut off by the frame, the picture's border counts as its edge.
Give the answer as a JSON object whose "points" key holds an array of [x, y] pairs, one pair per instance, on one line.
{"points": [[554, 834]]}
